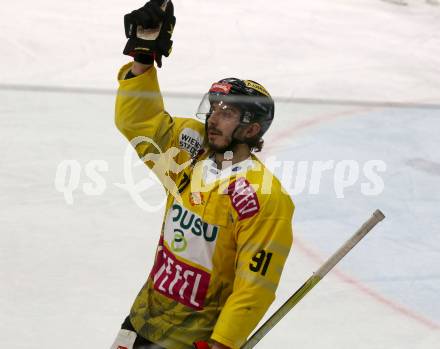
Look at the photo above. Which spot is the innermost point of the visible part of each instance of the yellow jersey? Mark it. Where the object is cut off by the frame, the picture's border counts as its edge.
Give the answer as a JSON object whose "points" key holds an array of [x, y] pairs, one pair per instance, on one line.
{"points": [[226, 233]]}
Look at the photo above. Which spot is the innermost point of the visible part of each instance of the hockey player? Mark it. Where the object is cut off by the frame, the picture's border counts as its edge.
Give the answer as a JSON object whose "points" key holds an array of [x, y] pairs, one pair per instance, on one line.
{"points": [[227, 227]]}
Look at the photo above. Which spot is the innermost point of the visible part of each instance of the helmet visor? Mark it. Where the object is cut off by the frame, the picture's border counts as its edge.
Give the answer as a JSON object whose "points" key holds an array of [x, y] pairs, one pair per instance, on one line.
{"points": [[223, 105], [204, 108]]}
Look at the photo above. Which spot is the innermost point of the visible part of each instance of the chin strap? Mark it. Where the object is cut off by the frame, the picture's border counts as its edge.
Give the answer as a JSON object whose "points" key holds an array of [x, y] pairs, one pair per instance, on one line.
{"points": [[234, 141]]}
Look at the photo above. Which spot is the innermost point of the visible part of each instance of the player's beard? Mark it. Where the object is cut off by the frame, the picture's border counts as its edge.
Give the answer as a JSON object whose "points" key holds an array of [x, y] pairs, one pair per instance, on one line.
{"points": [[229, 141], [221, 148]]}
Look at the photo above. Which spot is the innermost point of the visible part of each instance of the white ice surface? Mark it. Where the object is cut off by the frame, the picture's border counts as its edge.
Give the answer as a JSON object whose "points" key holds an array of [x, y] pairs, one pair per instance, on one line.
{"points": [[69, 273]]}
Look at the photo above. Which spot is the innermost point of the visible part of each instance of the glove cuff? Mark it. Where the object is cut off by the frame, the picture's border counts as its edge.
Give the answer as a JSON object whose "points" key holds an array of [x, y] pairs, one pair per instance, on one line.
{"points": [[144, 58]]}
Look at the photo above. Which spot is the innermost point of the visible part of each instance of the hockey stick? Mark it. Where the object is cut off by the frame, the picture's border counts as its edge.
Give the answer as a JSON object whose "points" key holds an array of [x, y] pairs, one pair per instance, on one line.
{"points": [[314, 279]]}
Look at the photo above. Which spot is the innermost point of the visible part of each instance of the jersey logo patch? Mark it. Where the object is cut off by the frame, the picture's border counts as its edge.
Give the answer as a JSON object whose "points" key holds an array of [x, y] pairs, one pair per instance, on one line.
{"points": [[243, 198], [191, 141], [180, 281], [189, 236], [196, 198]]}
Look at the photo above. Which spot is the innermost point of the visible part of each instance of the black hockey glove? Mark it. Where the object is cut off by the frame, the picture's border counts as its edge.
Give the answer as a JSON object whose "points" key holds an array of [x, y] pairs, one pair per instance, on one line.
{"points": [[149, 31]]}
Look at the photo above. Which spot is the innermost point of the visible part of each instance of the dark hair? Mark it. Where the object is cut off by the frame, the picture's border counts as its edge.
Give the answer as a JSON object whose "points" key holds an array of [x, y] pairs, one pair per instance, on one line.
{"points": [[256, 143]]}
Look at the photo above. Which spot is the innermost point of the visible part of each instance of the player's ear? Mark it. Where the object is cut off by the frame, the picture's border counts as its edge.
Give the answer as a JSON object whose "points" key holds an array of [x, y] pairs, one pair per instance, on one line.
{"points": [[253, 130]]}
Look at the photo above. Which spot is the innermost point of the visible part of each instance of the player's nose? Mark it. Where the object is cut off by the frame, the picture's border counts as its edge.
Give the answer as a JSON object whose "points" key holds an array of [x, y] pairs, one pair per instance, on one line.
{"points": [[213, 118]]}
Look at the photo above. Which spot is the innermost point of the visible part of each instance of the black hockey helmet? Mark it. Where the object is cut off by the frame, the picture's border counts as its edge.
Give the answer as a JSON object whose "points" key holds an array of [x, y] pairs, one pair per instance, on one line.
{"points": [[253, 100]]}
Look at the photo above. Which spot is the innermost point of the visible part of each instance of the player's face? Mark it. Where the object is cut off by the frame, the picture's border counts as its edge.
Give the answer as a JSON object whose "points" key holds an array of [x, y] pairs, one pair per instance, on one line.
{"points": [[221, 124]]}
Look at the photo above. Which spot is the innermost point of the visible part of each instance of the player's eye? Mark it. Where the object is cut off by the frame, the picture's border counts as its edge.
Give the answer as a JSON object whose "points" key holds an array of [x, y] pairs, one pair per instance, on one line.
{"points": [[223, 110]]}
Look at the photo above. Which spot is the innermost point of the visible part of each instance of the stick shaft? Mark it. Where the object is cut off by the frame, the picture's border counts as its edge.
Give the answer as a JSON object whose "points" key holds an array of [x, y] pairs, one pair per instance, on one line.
{"points": [[350, 243], [314, 279]]}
